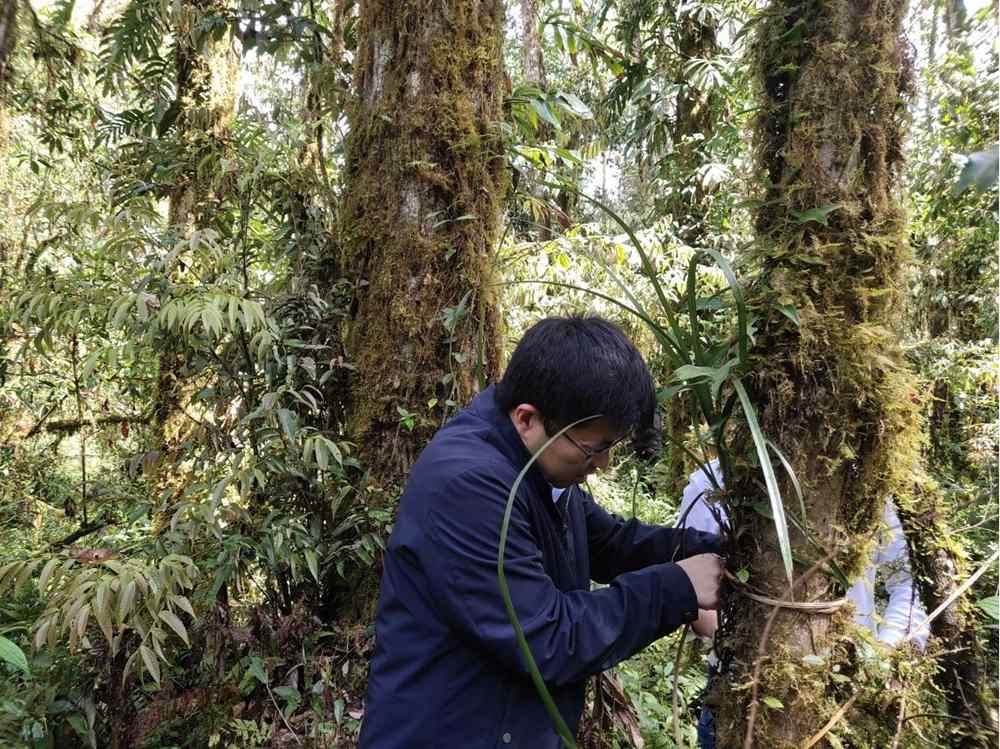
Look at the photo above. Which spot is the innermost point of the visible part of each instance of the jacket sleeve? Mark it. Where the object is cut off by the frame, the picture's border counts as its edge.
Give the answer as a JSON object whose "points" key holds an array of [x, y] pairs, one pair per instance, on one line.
{"points": [[620, 546], [572, 635]]}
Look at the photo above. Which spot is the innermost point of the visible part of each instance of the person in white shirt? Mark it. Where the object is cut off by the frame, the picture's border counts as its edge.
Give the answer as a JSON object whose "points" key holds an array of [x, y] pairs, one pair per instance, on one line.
{"points": [[903, 614]]}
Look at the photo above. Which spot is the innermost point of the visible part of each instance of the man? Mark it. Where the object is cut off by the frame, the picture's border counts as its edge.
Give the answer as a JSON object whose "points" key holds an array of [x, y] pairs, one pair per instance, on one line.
{"points": [[447, 671], [903, 613]]}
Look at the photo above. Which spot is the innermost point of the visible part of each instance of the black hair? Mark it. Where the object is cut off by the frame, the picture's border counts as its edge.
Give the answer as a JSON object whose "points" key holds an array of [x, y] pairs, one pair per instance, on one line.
{"points": [[573, 367]]}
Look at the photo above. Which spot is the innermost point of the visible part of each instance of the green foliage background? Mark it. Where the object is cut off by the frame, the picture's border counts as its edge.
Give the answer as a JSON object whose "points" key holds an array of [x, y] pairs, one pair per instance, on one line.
{"points": [[204, 609]]}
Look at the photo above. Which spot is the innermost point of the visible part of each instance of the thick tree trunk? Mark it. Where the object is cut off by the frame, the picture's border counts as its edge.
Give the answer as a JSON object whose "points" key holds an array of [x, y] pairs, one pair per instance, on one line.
{"points": [[425, 177], [832, 392]]}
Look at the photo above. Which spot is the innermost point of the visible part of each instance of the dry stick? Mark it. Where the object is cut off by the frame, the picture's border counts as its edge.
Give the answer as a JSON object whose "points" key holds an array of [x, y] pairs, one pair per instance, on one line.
{"points": [[832, 722], [899, 723], [83, 432], [762, 649], [925, 627], [677, 665]]}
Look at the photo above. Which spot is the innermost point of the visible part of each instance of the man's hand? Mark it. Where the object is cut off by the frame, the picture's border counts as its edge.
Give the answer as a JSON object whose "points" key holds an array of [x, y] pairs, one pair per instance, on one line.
{"points": [[705, 573], [706, 623]]}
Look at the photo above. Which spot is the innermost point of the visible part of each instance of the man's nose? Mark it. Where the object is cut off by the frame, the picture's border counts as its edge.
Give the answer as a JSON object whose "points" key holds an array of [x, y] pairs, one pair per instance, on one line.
{"points": [[600, 460]]}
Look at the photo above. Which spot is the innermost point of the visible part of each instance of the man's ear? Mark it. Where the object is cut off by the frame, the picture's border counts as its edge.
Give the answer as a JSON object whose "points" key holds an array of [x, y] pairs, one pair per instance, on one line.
{"points": [[525, 417]]}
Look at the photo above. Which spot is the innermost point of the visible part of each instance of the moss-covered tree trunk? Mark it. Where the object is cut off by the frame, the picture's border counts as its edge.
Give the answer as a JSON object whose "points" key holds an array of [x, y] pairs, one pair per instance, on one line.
{"points": [[198, 121], [832, 391], [425, 177]]}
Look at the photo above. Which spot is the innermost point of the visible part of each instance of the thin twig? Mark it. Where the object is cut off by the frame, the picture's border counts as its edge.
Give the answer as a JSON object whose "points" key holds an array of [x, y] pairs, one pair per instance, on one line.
{"points": [[925, 627], [676, 700], [832, 722], [83, 430]]}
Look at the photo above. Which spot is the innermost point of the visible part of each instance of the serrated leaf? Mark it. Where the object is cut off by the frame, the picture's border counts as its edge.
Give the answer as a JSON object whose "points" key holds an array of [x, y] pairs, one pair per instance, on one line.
{"points": [[12, 654], [40, 634], [80, 622], [126, 597], [773, 703], [174, 622], [47, 570]]}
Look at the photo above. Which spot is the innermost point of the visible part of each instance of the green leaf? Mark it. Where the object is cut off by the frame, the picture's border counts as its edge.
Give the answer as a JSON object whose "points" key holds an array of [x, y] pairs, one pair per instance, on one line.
{"points": [[991, 606], [790, 312], [287, 419], [980, 171], [743, 575], [291, 697], [175, 623], [771, 481], [819, 214], [543, 111], [575, 105], [257, 670], [12, 654], [773, 702], [313, 563], [526, 655], [152, 665]]}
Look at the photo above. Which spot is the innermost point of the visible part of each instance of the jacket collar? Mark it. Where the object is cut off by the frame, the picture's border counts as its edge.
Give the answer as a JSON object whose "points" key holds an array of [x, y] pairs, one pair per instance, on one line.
{"points": [[485, 406]]}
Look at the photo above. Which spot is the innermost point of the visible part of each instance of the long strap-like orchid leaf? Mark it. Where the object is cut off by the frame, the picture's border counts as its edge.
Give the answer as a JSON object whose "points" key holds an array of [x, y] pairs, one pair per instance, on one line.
{"points": [[771, 481], [529, 660]]}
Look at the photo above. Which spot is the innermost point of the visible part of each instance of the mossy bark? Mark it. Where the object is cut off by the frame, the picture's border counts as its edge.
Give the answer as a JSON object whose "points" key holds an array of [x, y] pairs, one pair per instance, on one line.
{"points": [[199, 118], [425, 177], [939, 569], [832, 391]]}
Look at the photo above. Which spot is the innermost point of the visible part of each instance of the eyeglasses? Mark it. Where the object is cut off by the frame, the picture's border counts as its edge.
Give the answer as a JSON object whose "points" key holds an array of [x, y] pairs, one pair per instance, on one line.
{"points": [[589, 453]]}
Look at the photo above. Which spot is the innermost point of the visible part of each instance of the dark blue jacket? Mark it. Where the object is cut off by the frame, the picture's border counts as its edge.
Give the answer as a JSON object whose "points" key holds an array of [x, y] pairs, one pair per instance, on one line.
{"points": [[446, 671]]}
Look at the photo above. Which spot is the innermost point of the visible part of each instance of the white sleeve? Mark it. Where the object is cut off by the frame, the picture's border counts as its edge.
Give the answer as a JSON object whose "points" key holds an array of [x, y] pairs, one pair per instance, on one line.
{"points": [[695, 512], [904, 613]]}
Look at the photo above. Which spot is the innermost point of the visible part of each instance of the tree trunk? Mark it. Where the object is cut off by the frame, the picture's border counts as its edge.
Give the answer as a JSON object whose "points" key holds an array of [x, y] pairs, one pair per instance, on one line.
{"points": [[425, 176], [200, 117], [832, 392], [966, 684], [532, 62], [694, 123]]}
